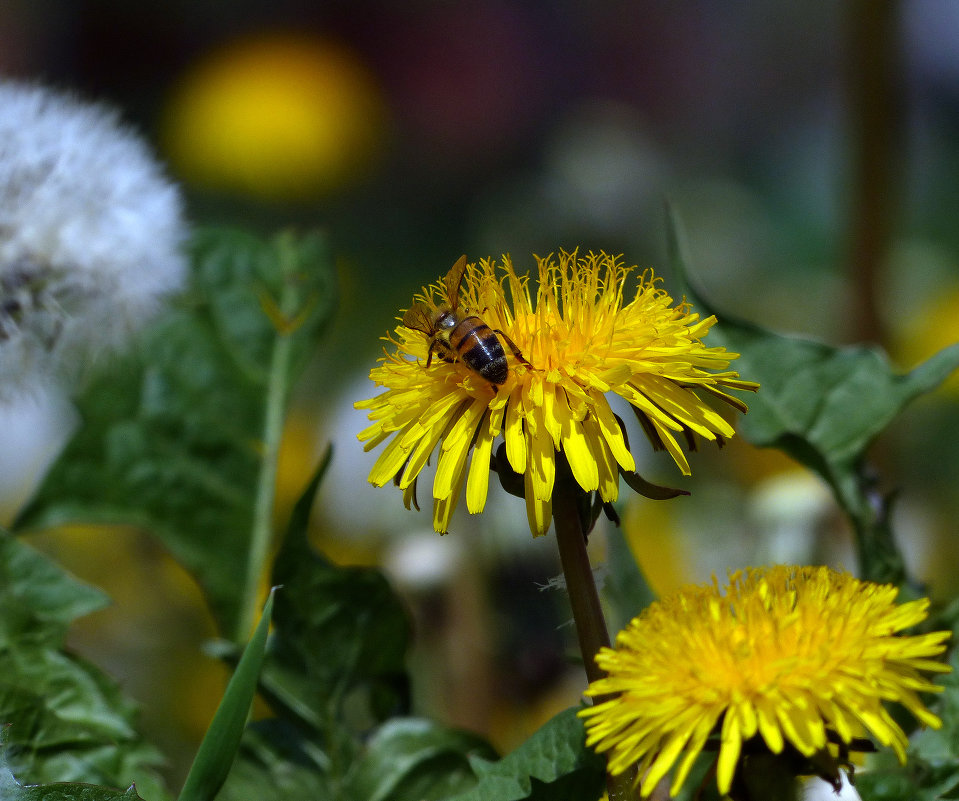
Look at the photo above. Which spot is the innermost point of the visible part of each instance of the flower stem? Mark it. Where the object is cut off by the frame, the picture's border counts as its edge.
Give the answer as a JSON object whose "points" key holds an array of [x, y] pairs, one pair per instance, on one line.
{"points": [[278, 386], [584, 599], [583, 596]]}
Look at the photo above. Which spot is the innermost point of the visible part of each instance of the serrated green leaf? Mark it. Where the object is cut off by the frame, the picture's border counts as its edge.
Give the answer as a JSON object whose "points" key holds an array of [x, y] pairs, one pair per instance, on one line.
{"points": [[63, 718], [280, 762], [338, 631], [342, 630], [411, 759], [339, 640], [824, 406], [218, 750], [106, 765], [73, 792], [834, 400], [556, 754], [181, 439], [41, 692], [38, 599]]}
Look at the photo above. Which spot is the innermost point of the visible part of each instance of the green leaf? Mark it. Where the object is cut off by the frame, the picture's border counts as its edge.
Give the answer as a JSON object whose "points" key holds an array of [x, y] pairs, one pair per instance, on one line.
{"points": [[280, 762], [917, 780], [410, 759], [932, 767], [107, 765], [335, 665], [824, 406], [41, 688], [339, 632], [72, 792], [821, 404], [298, 527], [833, 400], [222, 740], [182, 439], [39, 600], [64, 719], [552, 765]]}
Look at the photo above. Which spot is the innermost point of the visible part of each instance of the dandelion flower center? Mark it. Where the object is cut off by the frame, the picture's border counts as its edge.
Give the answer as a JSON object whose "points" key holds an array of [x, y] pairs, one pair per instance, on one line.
{"points": [[793, 654]]}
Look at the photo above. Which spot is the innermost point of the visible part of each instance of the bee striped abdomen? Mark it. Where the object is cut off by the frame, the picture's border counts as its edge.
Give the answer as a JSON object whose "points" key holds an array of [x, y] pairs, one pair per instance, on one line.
{"points": [[478, 346]]}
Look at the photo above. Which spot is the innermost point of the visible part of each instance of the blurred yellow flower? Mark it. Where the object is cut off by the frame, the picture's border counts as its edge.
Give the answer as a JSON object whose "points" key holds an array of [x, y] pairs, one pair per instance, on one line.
{"points": [[934, 326], [281, 117], [582, 340], [797, 655]]}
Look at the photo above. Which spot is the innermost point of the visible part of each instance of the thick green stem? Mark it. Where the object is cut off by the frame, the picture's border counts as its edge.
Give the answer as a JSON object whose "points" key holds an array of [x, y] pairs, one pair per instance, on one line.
{"points": [[584, 599], [278, 387]]}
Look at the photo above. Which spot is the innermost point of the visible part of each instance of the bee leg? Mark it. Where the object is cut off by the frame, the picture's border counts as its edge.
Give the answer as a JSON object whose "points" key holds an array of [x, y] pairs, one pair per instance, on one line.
{"points": [[512, 346], [444, 351]]}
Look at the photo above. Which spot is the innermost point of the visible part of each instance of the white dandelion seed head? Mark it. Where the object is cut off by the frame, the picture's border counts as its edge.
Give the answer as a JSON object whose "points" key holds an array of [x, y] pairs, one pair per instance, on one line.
{"points": [[90, 235]]}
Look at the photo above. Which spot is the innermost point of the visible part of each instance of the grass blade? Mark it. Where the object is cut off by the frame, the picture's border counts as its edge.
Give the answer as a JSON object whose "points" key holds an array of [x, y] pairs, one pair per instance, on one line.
{"points": [[215, 756]]}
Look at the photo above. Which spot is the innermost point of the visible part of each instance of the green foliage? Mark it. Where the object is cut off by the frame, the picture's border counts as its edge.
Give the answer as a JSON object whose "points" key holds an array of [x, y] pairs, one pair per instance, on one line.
{"points": [[72, 792], [335, 670], [410, 759], [182, 440], [279, 762], [824, 406], [218, 749], [340, 633], [38, 599], [931, 771], [64, 719], [857, 395], [552, 764], [173, 440]]}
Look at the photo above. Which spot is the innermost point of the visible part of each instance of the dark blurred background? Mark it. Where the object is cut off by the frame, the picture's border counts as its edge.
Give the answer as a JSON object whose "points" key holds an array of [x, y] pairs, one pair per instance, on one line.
{"points": [[812, 151]]}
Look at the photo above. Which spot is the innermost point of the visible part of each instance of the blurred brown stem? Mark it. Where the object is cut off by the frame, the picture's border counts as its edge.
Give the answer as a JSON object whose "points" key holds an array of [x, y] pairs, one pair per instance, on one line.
{"points": [[875, 116]]}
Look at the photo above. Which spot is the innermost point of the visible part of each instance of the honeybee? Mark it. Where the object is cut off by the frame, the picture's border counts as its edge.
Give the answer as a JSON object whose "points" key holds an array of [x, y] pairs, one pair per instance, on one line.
{"points": [[455, 334]]}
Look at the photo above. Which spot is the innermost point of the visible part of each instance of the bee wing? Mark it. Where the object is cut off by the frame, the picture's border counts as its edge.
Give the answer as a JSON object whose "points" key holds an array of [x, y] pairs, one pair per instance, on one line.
{"points": [[418, 318], [453, 280]]}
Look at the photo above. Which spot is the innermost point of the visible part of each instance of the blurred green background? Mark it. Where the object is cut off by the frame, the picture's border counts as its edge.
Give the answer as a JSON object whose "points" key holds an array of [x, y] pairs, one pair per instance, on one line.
{"points": [[812, 151]]}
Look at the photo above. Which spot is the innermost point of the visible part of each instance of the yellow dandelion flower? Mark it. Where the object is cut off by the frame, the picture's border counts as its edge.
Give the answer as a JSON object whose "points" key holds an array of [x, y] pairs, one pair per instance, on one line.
{"points": [[565, 345], [800, 656]]}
